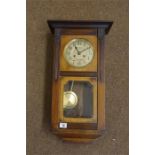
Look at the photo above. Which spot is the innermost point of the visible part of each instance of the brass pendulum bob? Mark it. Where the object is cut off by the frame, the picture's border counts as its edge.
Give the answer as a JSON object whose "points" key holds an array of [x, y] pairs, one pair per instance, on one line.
{"points": [[70, 98]]}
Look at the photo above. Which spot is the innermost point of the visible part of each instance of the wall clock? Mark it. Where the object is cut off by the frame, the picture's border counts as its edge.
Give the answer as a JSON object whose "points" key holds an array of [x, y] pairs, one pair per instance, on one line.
{"points": [[78, 88]]}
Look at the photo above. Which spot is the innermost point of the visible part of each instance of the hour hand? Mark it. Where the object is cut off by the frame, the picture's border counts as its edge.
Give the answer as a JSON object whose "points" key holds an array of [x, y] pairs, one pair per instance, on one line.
{"points": [[77, 50]]}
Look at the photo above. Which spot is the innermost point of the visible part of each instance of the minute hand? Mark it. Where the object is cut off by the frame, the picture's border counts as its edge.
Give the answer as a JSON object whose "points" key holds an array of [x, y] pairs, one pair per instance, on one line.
{"points": [[84, 50]]}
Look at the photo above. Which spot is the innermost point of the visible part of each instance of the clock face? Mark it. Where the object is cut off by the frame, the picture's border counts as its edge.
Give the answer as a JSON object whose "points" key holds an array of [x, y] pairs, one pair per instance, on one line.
{"points": [[79, 52]]}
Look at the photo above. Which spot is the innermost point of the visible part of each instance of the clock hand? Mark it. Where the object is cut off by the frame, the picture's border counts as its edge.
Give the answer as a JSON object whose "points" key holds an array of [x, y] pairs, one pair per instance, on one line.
{"points": [[78, 52], [84, 50]]}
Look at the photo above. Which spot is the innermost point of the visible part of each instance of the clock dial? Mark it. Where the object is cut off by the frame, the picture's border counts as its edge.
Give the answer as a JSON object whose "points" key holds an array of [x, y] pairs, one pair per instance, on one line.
{"points": [[79, 52]]}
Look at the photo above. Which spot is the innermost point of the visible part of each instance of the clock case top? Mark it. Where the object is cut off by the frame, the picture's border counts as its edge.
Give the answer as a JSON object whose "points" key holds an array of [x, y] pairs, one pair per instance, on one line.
{"points": [[98, 29], [106, 25]]}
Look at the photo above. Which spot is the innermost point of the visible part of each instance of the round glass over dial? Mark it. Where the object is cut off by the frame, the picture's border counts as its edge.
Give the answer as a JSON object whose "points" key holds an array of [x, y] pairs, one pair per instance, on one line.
{"points": [[79, 52]]}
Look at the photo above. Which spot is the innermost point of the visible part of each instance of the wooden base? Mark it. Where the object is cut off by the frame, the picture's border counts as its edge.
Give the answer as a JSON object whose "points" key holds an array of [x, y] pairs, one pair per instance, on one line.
{"points": [[78, 140], [78, 136]]}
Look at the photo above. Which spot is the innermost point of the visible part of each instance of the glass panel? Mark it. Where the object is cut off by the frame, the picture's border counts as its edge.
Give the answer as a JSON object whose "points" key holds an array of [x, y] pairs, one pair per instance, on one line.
{"points": [[78, 99]]}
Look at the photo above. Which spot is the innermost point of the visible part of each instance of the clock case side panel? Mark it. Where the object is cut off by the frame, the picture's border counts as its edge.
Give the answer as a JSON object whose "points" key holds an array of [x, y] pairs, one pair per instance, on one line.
{"points": [[101, 77], [55, 80]]}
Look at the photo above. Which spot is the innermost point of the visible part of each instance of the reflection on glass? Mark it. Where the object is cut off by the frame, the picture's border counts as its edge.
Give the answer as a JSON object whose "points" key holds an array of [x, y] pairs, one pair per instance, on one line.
{"points": [[78, 99]]}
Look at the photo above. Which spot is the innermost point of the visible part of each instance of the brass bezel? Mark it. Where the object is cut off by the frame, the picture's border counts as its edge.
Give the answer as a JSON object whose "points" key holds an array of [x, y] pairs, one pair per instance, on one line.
{"points": [[70, 42]]}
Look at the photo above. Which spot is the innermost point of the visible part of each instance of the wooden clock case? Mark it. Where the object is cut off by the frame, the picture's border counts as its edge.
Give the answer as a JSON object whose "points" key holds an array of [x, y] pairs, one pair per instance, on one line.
{"points": [[78, 129]]}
